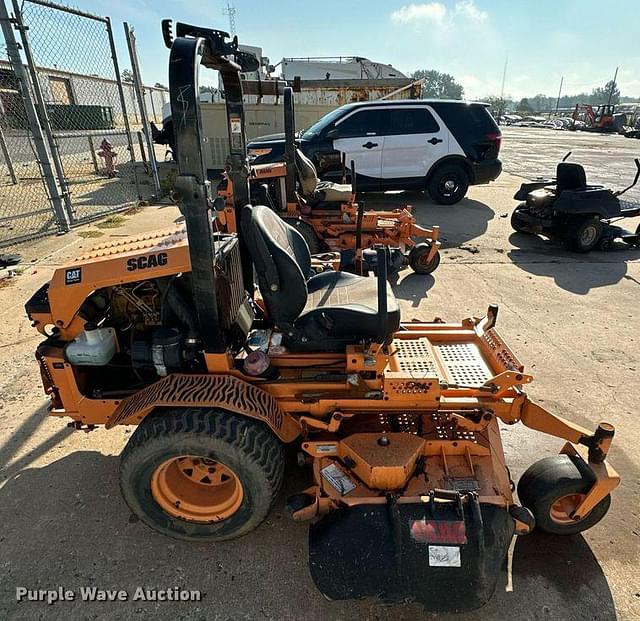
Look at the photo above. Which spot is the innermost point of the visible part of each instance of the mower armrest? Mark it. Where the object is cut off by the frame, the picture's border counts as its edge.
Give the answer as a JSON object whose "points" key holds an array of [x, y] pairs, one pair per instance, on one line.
{"points": [[525, 188]]}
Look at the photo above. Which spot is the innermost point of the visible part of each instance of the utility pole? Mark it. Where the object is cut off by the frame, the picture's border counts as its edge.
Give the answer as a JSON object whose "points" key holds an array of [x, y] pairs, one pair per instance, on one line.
{"points": [[230, 11], [504, 77], [559, 93], [613, 85]]}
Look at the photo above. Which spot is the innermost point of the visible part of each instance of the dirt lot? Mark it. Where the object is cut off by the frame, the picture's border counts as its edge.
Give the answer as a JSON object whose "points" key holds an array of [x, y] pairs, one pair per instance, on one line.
{"points": [[607, 158], [571, 319]]}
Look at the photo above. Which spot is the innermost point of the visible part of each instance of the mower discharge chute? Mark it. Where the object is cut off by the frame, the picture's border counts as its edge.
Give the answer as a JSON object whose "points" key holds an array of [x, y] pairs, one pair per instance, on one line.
{"points": [[410, 495], [328, 216]]}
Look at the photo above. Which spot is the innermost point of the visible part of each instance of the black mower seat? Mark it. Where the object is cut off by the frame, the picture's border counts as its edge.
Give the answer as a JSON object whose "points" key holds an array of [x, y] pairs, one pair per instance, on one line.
{"points": [[326, 311], [570, 176], [315, 190], [349, 303]]}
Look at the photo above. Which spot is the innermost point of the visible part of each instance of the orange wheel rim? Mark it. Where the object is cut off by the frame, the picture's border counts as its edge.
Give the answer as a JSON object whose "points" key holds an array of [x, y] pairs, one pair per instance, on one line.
{"points": [[196, 489], [563, 508], [424, 259]]}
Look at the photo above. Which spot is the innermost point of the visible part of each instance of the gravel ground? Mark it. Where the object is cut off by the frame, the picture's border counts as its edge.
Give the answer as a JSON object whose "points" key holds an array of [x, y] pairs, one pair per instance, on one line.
{"points": [[571, 319]]}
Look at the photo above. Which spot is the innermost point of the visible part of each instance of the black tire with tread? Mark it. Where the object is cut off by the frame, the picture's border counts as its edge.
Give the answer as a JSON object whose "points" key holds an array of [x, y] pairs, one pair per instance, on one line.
{"points": [[453, 171], [551, 478], [247, 446], [315, 244], [415, 256], [518, 225]]}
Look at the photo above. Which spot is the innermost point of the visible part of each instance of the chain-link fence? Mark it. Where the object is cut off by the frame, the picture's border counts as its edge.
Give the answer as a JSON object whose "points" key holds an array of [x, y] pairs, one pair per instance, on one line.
{"points": [[25, 209], [70, 147]]}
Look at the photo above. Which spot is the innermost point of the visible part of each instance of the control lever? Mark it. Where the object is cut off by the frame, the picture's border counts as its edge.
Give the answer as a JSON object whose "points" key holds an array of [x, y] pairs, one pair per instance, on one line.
{"points": [[381, 266]]}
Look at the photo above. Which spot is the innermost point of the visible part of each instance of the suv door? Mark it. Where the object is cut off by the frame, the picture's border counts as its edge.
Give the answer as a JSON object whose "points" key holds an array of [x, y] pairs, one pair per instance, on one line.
{"points": [[415, 138], [357, 135]]}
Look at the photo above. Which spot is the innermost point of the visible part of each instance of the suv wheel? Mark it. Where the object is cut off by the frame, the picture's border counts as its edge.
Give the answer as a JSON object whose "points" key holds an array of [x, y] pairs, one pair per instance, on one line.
{"points": [[448, 184]]}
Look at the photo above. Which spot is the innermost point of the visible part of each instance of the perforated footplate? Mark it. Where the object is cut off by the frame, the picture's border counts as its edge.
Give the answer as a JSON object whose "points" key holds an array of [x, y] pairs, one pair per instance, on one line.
{"points": [[414, 357], [463, 363]]}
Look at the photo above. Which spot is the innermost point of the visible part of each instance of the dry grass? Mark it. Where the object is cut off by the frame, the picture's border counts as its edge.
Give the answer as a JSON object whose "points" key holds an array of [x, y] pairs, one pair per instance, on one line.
{"points": [[112, 222], [90, 234]]}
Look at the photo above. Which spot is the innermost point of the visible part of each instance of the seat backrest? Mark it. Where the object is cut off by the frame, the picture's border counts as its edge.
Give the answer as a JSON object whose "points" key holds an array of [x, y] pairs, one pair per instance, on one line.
{"points": [[282, 261], [307, 174], [570, 176]]}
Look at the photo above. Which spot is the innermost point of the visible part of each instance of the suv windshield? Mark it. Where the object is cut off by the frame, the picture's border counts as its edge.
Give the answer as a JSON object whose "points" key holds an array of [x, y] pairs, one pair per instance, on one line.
{"points": [[318, 126]]}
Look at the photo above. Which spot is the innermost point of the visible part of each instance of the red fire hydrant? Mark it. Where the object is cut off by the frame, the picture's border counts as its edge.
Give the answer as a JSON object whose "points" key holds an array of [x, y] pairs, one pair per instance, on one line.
{"points": [[110, 156]]}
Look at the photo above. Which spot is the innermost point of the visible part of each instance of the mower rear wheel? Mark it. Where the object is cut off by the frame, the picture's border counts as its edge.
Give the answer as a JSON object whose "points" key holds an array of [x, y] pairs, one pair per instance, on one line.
{"points": [[306, 230], [552, 489], [583, 233], [419, 261], [201, 474]]}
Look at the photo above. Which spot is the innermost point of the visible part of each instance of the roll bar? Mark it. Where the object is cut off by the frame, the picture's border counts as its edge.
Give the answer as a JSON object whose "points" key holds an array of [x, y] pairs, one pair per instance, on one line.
{"points": [[194, 46], [635, 179], [290, 144]]}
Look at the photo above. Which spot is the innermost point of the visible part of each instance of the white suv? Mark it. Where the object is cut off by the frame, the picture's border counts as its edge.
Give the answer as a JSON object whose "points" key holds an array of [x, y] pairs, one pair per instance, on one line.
{"points": [[436, 145]]}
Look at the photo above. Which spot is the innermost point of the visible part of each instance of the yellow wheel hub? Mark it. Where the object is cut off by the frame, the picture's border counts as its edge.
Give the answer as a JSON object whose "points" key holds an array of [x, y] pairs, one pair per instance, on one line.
{"points": [[196, 489]]}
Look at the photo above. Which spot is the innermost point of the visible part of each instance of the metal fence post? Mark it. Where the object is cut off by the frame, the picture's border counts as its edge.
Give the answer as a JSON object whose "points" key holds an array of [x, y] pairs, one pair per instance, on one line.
{"points": [[7, 158], [13, 53], [139, 90], [42, 112], [123, 105], [92, 150]]}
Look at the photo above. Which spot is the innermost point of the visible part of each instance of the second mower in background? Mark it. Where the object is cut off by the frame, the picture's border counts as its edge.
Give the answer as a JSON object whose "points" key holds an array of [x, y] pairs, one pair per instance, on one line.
{"points": [[582, 216], [327, 215]]}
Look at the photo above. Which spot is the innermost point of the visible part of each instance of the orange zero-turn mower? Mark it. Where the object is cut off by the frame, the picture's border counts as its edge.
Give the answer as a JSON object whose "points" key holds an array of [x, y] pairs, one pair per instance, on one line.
{"points": [[327, 214], [409, 495]]}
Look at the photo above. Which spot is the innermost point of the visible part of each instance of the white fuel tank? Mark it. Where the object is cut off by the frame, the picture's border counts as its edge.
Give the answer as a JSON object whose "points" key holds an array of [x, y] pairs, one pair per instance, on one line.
{"points": [[93, 347]]}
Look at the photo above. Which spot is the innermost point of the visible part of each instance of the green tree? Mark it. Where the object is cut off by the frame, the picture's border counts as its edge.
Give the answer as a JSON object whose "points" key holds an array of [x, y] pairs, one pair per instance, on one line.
{"points": [[160, 85], [524, 106], [127, 75], [601, 95], [497, 105], [438, 85]]}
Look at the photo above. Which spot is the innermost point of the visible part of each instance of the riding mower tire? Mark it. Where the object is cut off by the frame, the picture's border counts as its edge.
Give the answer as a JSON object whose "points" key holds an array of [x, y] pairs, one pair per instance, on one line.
{"points": [[552, 487], [448, 184], [517, 223], [306, 230], [418, 259], [583, 233], [201, 474]]}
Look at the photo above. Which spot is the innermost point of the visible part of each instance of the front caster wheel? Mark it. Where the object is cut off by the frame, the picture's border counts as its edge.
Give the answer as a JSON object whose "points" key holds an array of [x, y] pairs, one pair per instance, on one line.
{"points": [[552, 489], [518, 224], [419, 261], [201, 474]]}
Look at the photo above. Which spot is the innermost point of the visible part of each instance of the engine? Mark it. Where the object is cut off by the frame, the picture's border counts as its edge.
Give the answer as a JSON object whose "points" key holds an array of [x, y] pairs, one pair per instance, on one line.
{"points": [[140, 323], [149, 325]]}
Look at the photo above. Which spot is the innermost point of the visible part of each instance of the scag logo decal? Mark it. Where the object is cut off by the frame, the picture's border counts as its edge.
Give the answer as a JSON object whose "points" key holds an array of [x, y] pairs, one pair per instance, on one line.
{"points": [[144, 262], [73, 276]]}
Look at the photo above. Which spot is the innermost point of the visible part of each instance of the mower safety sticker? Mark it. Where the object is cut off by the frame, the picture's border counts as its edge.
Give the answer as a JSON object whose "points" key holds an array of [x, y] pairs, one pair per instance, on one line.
{"points": [[444, 556], [438, 531], [338, 479], [462, 484]]}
